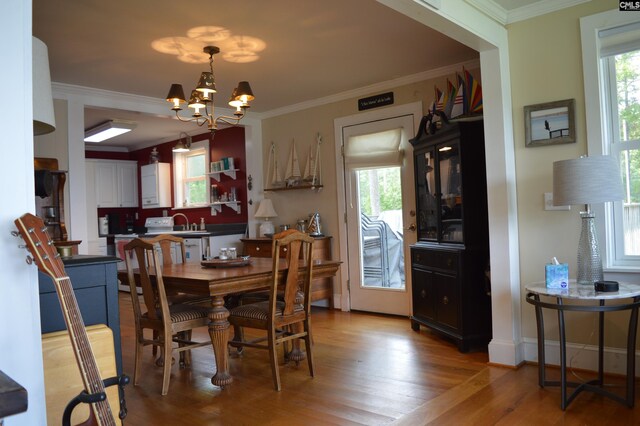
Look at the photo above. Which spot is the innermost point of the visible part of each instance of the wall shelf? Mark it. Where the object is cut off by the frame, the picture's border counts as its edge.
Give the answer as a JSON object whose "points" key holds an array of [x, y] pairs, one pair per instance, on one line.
{"points": [[230, 172], [217, 206], [290, 188]]}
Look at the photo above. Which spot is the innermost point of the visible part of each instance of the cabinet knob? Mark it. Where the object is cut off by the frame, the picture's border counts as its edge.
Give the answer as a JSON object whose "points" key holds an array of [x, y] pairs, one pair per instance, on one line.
{"points": [[257, 248], [423, 294], [284, 249], [445, 300], [449, 262], [418, 258]]}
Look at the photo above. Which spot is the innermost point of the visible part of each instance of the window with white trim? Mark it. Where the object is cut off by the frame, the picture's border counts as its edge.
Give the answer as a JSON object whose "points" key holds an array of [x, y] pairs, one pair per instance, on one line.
{"points": [[190, 179], [611, 61]]}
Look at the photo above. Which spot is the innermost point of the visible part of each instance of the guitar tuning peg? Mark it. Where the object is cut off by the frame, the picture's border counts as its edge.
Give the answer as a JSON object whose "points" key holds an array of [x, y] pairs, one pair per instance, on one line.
{"points": [[29, 260], [15, 233], [22, 246]]}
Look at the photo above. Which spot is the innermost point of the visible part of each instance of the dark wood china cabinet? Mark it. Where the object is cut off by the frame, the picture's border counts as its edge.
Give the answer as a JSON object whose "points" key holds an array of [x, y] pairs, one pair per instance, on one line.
{"points": [[449, 262]]}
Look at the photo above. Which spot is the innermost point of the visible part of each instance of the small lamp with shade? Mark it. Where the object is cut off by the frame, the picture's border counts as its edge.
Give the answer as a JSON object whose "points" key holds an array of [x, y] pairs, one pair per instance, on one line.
{"points": [[266, 212]]}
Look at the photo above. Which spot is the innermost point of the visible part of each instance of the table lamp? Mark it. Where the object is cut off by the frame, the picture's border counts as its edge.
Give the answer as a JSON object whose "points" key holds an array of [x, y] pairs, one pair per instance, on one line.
{"points": [[266, 211], [587, 180]]}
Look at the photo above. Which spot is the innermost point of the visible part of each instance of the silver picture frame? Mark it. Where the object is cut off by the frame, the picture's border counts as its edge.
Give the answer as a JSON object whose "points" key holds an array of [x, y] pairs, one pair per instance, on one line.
{"points": [[550, 123]]}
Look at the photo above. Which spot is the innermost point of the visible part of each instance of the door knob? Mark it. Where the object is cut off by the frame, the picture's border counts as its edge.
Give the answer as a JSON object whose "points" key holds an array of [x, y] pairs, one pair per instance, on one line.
{"points": [[412, 227]]}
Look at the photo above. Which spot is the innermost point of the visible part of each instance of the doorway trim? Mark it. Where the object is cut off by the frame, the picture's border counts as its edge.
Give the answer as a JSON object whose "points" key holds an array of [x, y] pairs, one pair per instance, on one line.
{"points": [[413, 108]]}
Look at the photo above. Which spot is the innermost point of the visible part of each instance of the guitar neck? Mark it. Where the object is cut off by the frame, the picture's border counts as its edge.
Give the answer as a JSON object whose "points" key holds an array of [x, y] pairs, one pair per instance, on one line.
{"points": [[35, 236], [101, 411]]}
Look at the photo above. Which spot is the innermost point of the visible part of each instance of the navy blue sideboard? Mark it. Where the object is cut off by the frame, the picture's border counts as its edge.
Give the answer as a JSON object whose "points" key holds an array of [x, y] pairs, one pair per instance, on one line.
{"points": [[95, 284]]}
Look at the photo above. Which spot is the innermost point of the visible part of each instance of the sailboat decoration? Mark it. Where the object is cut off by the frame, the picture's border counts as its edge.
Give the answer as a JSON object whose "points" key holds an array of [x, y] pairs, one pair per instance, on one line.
{"points": [[293, 176], [312, 169], [273, 172]]}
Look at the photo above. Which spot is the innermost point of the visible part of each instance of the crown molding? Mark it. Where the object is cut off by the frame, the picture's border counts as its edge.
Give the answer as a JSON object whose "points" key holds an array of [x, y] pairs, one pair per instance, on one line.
{"points": [[378, 87], [537, 8], [492, 9], [541, 7], [119, 100]]}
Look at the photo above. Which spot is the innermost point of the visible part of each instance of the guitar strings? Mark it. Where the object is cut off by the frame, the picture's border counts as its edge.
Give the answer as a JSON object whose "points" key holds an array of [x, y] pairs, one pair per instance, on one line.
{"points": [[79, 339]]}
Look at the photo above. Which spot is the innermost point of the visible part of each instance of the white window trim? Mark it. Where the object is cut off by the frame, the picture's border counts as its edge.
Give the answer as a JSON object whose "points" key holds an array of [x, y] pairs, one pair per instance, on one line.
{"points": [[178, 162], [597, 109]]}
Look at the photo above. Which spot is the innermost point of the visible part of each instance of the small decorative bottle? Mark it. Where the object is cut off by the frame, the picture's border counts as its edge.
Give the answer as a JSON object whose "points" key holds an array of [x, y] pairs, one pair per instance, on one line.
{"points": [[154, 156], [214, 193]]}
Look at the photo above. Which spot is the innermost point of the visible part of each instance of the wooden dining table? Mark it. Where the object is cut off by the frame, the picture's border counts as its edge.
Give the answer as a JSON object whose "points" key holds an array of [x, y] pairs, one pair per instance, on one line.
{"points": [[192, 278]]}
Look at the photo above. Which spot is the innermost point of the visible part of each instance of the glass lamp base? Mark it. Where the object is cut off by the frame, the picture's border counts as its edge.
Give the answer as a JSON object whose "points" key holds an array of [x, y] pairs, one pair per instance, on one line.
{"points": [[589, 260], [266, 228]]}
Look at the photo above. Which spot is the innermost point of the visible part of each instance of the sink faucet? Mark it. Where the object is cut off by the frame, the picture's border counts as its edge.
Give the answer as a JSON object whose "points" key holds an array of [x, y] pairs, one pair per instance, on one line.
{"points": [[184, 227]]}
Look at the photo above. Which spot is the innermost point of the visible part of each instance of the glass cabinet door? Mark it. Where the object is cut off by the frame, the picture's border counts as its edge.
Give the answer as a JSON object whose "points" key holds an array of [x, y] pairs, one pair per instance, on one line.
{"points": [[450, 192], [427, 196]]}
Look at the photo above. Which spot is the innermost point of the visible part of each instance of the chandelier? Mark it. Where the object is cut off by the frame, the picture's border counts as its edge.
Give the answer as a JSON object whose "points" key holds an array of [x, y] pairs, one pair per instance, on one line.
{"points": [[202, 98]]}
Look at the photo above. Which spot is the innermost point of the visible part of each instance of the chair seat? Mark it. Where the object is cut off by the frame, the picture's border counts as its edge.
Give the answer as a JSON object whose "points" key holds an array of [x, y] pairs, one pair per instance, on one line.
{"points": [[260, 311], [182, 313]]}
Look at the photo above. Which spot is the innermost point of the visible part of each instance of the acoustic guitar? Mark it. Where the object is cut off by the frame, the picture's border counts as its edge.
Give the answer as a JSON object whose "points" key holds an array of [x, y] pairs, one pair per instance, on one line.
{"points": [[33, 231]]}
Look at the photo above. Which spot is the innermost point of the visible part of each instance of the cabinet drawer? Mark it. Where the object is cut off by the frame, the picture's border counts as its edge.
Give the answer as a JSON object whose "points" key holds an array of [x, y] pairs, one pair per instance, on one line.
{"points": [[437, 259], [261, 249]]}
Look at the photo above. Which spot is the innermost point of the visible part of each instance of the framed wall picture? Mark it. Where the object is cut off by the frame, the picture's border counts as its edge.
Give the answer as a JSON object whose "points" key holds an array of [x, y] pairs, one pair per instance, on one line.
{"points": [[551, 123]]}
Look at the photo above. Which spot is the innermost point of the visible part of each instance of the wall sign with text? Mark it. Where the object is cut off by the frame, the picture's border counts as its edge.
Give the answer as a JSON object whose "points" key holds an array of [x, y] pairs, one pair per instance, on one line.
{"points": [[375, 101]]}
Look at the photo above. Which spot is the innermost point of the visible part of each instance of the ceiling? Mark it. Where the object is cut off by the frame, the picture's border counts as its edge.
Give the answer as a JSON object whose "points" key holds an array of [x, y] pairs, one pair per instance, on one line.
{"points": [[310, 49]]}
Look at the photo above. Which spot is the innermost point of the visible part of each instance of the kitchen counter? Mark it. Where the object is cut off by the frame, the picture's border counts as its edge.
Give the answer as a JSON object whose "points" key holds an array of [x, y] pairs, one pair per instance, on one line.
{"points": [[212, 230], [88, 259]]}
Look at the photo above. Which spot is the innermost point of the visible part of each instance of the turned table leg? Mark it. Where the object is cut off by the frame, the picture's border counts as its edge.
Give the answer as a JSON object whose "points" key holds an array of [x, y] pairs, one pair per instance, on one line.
{"points": [[219, 332], [296, 353]]}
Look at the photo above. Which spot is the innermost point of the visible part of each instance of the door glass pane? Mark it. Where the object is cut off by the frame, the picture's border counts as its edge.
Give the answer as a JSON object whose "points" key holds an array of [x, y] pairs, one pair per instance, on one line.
{"points": [[451, 193], [427, 205], [380, 206]]}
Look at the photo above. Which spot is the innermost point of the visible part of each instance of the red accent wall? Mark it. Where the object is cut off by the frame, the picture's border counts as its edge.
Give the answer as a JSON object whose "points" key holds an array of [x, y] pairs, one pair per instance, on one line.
{"points": [[226, 143]]}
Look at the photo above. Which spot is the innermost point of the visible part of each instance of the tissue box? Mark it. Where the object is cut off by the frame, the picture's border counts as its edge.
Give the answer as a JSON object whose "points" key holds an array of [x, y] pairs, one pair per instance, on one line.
{"points": [[557, 276]]}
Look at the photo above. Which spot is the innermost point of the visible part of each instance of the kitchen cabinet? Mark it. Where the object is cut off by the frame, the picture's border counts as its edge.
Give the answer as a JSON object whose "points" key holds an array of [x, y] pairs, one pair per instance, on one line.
{"points": [[320, 288], [116, 183], [449, 262], [155, 184]]}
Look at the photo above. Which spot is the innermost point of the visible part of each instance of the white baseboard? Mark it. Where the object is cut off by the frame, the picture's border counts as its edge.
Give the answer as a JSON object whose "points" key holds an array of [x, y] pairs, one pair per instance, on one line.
{"points": [[505, 352], [584, 357]]}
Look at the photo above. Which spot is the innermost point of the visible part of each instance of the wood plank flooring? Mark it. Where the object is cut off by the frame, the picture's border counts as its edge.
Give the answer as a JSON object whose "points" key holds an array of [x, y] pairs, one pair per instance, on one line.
{"points": [[370, 370]]}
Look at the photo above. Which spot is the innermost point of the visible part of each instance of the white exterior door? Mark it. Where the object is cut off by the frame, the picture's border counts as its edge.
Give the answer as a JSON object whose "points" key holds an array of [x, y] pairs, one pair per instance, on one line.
{"points": [[378, 236]]}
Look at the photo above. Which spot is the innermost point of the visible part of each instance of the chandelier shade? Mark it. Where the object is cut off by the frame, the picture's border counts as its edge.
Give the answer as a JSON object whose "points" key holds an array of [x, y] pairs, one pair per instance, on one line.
{"points": [[176, 95], [202, 98]]}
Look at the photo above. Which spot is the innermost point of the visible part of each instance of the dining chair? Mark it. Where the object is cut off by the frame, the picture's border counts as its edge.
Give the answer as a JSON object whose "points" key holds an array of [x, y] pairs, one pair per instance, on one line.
{"points": [[170, 248], [170, 323], [286, 316]]}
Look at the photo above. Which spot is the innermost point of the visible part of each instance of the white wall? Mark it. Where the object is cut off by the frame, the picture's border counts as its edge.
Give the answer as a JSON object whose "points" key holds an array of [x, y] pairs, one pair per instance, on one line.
{"points": [[21, 354]]}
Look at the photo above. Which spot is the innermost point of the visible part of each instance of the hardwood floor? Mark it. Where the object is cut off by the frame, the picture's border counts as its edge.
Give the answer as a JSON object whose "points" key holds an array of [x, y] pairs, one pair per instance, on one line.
{"points": [[370, 370]]}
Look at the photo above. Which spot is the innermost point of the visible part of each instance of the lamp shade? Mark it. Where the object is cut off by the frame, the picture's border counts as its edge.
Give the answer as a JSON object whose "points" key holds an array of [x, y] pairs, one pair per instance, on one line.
{"points": [[265, 209], [43, 116], [243, 92], [586, 180]]}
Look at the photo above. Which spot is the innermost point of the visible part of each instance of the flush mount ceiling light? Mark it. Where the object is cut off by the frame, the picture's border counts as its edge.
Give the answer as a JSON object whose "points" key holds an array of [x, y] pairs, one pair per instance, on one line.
{"points": [[108, 130], [202, 98]]}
